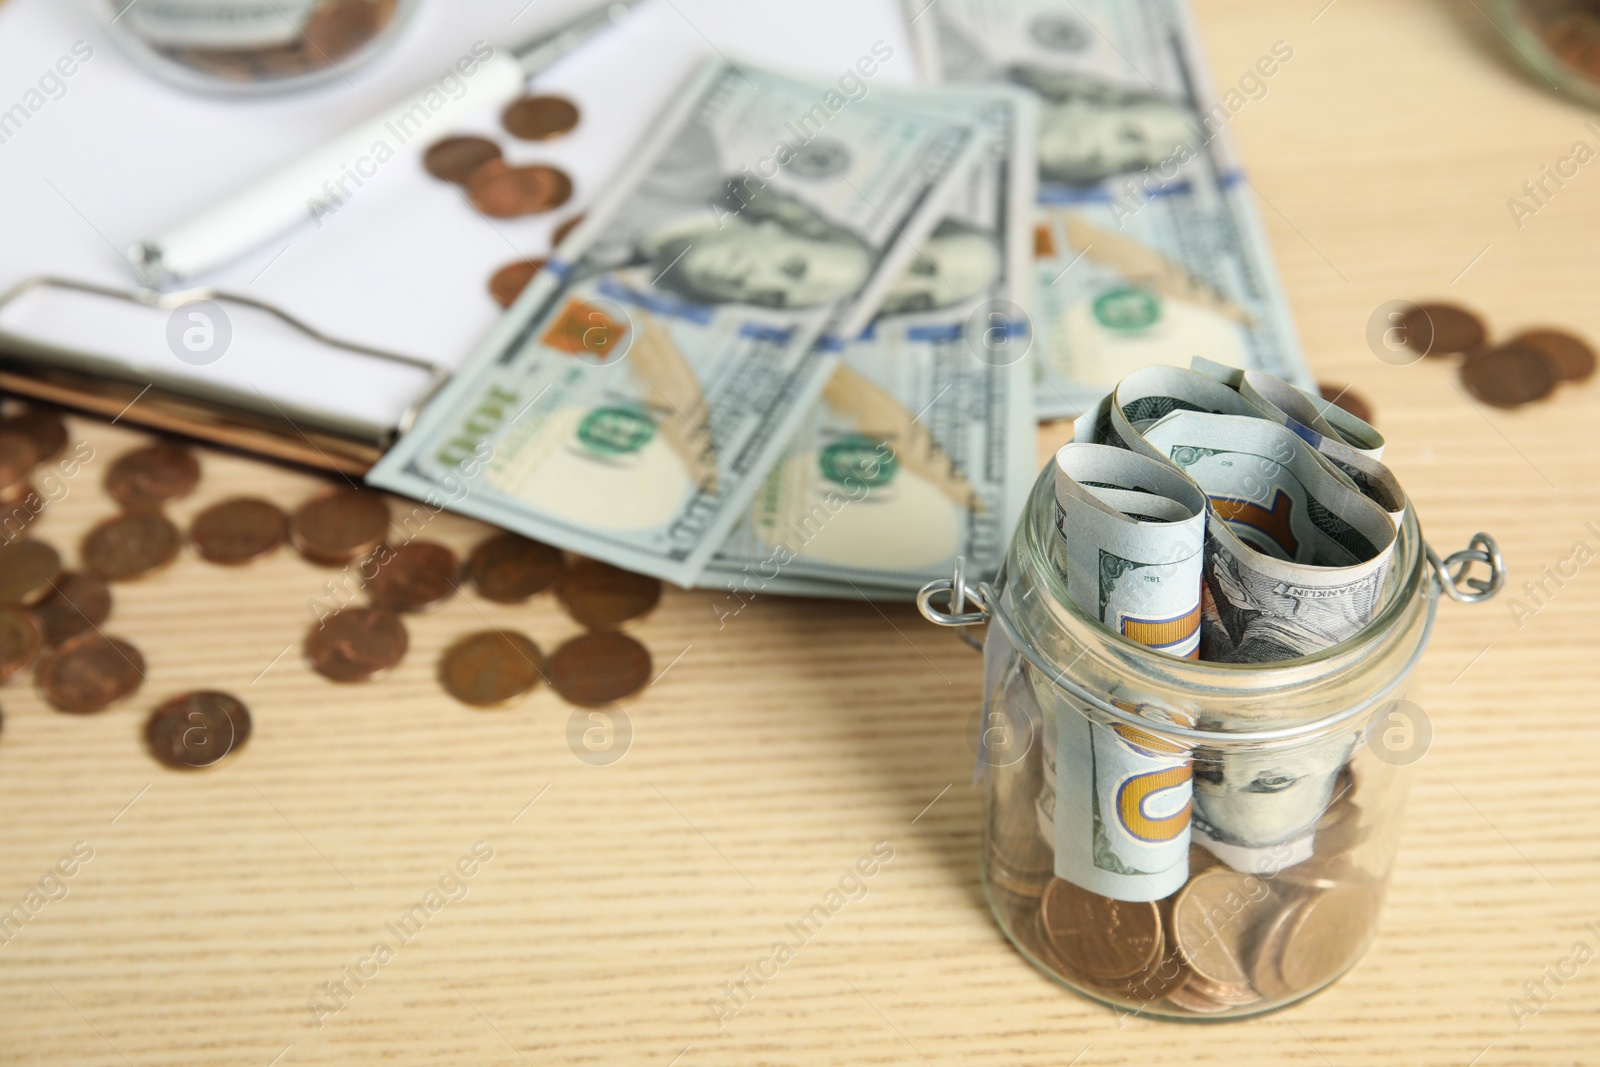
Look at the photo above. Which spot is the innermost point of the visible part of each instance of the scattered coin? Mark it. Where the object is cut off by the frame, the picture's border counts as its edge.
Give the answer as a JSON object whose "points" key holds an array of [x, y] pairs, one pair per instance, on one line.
{"points": [[336, 30], [238, 530], [20, 641], [130, 546], [149, 477], [413, 577], [1345, 397], [540, 118], [27, 568], [1442, 329], [599, 595], [509, 281], [455, 158], [16, 460], [1326, 935], [503, 192], [560, 233], [1509, 375], [44, 428], [1213, 948], [509, 569], [339, 525], [491, 669], [197, 729], [89, 672], [77, 603], [1106, 940], [356, 644], [1571, 357], [594, 669]]}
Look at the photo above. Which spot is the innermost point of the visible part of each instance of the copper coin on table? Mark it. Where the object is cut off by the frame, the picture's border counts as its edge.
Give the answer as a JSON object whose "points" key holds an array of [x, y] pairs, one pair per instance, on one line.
{"points": [[337, 29], [149, 477], [1215, 951], [27, 568], [239, 530], [339, 525], [509, 569], [413, 577], [1571, 357], [455, 158], [1326, 935], [355, 644], [540, 118], [561, 232], [1344, 397], [20, 641], [17, 459], [1107, 940], [44, 428], [505, 192], [1442, 329], [130, 546], [599, 595], [508, 282], [197, 729], [89, 672], [592, 670], [77, 603], [491, 669], [1509, 375]]}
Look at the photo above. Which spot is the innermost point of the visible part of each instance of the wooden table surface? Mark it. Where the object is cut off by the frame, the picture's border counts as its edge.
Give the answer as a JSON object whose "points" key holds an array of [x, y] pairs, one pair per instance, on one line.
{"points": [[778, 747]]}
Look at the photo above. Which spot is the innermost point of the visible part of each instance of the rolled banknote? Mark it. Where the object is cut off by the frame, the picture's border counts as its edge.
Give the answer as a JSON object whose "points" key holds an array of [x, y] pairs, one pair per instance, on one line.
{"points": [[631, 402]]}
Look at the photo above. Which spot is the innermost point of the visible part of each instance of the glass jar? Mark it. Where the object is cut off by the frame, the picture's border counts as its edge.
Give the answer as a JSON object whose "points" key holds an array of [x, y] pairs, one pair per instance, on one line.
{"points": [[244, 46], [1559, 40], [1188, 839]]}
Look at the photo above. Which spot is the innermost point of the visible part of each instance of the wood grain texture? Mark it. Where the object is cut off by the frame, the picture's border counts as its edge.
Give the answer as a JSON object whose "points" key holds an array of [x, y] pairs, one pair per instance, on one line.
{"points": [[784, 743]]}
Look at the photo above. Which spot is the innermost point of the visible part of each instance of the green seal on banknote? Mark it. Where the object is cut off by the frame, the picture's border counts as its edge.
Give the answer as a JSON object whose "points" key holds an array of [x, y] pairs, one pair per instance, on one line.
{"points": [[859, 459], [1127, 309], [616, 431]]}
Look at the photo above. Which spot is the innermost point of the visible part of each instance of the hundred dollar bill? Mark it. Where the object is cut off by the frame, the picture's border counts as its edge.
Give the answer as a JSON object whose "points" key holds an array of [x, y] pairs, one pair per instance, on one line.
{"points": [[921, 449], [1149, 247], [630, 403]]}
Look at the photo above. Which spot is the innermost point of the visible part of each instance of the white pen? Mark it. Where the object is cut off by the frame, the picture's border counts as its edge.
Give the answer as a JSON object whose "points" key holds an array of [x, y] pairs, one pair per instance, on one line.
{"points": [[291, 196]]}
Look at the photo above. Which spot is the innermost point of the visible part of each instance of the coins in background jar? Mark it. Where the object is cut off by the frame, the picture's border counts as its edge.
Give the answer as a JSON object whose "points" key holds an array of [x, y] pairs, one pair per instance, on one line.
{"points": [[599, 595], [1105, 940], [89, 673], [491, 669], [1442, 329], [43, 428], [455, 158], [1213, 948], [1326, 935], [27, 568], [509, 569], [1344, 397], [504, 192], [1509, 375], [508, 282], [1570, 357], [337, 526], [76, 603], [594, 669], [197, 730], [414, 577], [20, 641], [149, 477], [130, 546], [239, 530], [356, 644], [540, 118]]}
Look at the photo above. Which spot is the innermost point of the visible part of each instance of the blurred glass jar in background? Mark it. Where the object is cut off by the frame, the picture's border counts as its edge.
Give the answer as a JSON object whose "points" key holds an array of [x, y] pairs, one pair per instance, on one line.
{"points": [[1559, 40], [242, 46]]}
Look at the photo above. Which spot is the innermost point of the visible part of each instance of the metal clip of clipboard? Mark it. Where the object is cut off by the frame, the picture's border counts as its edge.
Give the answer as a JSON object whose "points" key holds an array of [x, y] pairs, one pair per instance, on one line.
{"points": [[228, 416]]}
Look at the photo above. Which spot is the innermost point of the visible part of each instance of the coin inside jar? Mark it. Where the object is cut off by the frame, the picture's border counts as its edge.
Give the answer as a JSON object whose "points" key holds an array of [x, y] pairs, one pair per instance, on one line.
{"points": [[89, 673], [508, 282], [1571, 357], [356, 644], [149, 477], [339, 525], [504, 192], [197, 729], [20, 641], [239, 530], [455, 158], [509, 569], [491, 669], [540, 118], [1441, 329], [27, 568], [1106, 940], [1212, 921], [1326, 935], [599, 595], [1508, 376], [43, 428], [413, 577], [594, 669], [130, 546], [76, 603]]}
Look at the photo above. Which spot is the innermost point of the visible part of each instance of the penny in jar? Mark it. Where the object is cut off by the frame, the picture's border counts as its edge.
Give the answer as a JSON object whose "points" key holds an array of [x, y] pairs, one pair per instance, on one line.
{"points": [[491, 669], [339, 525], [239, 530], [1111, 943], [197, 730], [89, 673], [130, 546], [356, 644]]}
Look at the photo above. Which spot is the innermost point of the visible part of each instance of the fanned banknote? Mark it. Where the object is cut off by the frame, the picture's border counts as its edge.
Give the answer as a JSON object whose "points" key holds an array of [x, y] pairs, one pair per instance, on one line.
{"points": [[921, 448], [1149, 248], [644, 384]]}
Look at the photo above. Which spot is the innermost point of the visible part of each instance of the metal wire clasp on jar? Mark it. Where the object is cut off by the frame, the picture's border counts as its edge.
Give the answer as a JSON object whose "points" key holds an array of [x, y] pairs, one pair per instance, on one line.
{"points": [[1189, 839]]}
